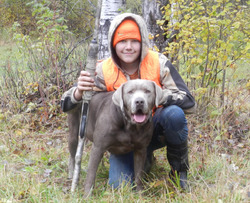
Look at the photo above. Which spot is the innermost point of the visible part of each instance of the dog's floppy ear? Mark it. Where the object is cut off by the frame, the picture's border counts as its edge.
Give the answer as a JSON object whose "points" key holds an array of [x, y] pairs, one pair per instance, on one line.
{"points": [[118, 98], [159, 99]]}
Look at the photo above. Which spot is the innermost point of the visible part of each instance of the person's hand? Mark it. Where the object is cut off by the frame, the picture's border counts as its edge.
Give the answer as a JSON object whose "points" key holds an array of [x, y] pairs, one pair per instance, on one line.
{"points": [[85, 83]]}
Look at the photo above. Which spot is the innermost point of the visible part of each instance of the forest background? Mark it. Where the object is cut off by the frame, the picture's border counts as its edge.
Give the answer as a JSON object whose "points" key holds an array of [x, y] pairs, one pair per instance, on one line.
{"points": [[43, 46]]}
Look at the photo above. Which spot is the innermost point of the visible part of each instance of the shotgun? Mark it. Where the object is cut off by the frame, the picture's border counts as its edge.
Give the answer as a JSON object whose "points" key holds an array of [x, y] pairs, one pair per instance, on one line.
{"points": [[90, 67]]}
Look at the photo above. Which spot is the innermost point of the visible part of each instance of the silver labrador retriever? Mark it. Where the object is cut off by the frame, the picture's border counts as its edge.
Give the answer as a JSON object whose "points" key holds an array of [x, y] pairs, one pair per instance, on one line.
{"points": [[119, 122]]}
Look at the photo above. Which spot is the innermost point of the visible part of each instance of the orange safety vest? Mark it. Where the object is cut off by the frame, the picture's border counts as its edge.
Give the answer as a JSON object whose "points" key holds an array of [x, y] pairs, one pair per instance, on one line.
{"points": [[150, 70]]}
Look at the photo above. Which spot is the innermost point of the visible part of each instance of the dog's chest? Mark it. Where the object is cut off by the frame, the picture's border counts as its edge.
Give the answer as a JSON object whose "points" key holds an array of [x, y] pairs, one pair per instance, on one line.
{"points": [[127, 140]]}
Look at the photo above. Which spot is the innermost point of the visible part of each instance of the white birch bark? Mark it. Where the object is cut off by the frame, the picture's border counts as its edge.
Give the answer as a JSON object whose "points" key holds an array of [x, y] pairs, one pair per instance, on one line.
{"points": [[110, 8], [173, 19]]}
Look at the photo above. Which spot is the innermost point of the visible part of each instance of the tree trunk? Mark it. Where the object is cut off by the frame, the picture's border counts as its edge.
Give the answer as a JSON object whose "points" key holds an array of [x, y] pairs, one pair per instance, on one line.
{"points": [[110, 8], [151, 13]]}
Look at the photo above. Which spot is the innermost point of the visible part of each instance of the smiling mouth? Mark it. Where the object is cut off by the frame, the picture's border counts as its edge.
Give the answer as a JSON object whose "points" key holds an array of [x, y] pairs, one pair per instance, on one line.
{"points": [[139, 116], [129, 53]]}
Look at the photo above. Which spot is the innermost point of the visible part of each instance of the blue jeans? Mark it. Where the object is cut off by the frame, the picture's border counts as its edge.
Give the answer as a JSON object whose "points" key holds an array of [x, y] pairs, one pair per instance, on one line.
{"points": [[170, 126]]}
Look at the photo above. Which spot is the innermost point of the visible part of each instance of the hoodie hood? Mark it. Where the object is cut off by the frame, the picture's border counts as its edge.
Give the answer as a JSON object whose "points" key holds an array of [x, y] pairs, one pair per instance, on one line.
{"points": [[143, 30]]}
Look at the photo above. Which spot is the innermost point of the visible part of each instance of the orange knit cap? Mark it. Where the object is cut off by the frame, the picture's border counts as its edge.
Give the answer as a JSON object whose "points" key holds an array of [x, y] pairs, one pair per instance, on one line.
{"points": [[128, 29]]}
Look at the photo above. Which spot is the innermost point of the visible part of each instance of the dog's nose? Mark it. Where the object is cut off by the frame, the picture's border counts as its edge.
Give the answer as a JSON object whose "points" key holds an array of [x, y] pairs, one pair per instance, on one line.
{"points": [[139, 102]]}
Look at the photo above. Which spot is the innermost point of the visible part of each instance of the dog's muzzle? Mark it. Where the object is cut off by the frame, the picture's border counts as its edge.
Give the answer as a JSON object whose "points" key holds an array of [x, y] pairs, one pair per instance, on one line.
{"points": [[139, 113]]}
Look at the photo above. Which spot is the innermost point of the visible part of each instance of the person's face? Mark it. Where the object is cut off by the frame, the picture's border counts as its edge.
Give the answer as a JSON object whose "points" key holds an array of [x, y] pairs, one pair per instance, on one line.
{"points": [[128, 50]]}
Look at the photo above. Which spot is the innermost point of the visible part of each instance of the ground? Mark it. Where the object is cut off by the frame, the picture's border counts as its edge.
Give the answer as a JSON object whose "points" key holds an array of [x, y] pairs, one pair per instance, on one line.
{"points": [[33, 167]]}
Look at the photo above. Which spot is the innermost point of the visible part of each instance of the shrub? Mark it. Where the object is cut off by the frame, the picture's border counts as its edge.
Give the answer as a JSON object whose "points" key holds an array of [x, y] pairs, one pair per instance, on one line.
{"points": [[212, 41], [50, 63]]}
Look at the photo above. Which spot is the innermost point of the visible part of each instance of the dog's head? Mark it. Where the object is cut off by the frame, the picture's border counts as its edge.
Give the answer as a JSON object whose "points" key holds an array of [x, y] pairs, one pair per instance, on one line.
{"points": [[137, 98]]}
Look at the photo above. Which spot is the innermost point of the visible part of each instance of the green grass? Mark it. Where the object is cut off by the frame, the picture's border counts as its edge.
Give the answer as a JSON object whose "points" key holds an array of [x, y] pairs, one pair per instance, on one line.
{"points": [[33, 168], [8, 49]]}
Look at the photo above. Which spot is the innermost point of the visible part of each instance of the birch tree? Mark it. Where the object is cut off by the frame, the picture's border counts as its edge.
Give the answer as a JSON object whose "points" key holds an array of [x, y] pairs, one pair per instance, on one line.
{"points": [[110, 8]]}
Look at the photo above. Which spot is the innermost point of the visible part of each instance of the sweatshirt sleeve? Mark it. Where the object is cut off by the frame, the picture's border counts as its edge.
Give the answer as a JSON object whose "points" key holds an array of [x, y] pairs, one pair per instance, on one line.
{"points": [[68, 101], [175, 90]]}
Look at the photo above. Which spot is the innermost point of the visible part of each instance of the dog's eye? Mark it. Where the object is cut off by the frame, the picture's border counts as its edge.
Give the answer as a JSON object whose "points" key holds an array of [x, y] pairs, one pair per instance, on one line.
{"points": [[147, 91], [130, 92]]}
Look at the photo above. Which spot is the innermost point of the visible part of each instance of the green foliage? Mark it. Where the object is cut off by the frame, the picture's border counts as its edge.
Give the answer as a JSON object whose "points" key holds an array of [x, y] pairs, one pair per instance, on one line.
{"points": [[50, 24], [133, 6], [211, 45], [213, 36], [49, 65], [79, 16], [16, 11], [43, 54]]}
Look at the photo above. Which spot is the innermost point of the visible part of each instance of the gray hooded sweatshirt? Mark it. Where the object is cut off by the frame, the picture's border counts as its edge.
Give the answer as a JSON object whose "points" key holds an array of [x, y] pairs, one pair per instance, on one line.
{"points": [[174, 88]]}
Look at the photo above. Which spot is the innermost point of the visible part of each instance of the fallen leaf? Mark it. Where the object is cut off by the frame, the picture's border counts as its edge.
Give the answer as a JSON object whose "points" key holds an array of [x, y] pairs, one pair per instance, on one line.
{"points": [[18, 132], [158, 183], [17, 151]]}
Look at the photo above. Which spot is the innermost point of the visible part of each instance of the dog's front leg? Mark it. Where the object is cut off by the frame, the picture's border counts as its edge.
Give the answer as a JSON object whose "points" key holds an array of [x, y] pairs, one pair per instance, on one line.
{"points": [[94, 160], [73, 123], [139, 160]]}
